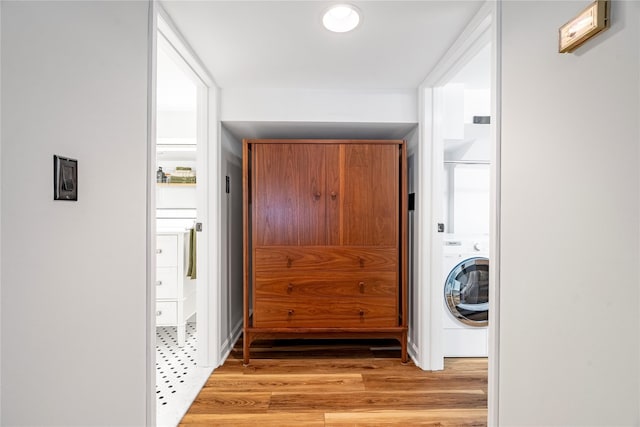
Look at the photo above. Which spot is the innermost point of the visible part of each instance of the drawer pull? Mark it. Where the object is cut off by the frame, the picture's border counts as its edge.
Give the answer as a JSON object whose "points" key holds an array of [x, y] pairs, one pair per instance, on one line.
{"points": [[317, 195], [333, 195], [289, 261], [361, 313], [158, 251], [361, 285], [290, 288], [361, 261], [159, 283], [290, 312], [159, 313]]}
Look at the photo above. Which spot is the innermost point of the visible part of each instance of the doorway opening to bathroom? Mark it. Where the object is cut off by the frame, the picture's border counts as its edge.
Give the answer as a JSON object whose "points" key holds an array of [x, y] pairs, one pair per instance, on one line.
{"points": [[181, 251]]}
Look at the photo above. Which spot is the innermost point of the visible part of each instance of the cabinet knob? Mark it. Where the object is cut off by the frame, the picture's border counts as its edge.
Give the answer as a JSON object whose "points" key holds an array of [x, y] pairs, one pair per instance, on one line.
{"points": [[159, 313], [290, 288], [361, 285], [317, 195], [290, 312], [334, 195], [158, 251], [361, 313], [361, 261], [159, 283], [289, 261]]}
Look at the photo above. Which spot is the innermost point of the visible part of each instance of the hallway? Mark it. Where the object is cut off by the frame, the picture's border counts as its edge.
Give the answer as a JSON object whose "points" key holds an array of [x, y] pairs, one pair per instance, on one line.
{"points": [[310, 383]]}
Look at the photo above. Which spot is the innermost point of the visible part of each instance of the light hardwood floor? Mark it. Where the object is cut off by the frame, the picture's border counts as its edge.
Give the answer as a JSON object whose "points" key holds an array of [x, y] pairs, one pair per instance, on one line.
{"points": [[339, 383]]}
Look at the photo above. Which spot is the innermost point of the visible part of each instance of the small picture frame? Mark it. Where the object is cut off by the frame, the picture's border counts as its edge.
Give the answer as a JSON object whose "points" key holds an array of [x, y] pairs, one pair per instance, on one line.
{"points": [[65, 178]]}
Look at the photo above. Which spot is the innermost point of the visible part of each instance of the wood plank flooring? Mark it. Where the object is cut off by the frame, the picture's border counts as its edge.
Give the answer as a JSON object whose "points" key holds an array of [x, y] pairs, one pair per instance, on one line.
{"points": [[339, 383]]}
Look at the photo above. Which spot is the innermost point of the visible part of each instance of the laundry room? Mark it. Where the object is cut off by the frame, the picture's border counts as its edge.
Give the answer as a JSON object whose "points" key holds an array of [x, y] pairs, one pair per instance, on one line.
{"points": [[466, 208]]}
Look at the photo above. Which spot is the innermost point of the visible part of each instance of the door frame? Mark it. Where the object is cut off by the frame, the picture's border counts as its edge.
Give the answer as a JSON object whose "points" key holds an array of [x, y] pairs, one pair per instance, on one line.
{"points": [[207, 331], [428, 354], [150, 315], [208, 208]]}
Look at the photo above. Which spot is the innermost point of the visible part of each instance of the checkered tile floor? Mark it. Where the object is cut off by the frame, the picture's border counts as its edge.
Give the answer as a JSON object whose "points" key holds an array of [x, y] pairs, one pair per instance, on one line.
{"points": [[178, 379]]}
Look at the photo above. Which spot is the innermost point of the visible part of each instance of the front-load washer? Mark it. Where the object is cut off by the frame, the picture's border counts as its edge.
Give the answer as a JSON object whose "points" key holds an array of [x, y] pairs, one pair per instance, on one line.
{"points": [[466, 297]]}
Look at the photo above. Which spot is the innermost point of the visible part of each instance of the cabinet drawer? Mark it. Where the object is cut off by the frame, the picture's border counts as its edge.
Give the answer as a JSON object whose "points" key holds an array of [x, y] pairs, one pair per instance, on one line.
{"points": [[325, 313], [166, 282], [328, 285], [166, 313], [167, 251], [332, 258]]}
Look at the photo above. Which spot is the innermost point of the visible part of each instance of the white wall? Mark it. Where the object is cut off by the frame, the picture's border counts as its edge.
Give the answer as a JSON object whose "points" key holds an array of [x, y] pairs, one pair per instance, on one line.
{"points": [[0, 215], [231, 243], [412, 140], [569, 333], [292, 105], [74, 83]]}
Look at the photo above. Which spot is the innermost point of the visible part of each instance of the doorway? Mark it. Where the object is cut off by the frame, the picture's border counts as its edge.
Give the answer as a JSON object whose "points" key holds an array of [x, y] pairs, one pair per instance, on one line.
{"points": [[481, 34], [465, 199], [181, 250]]}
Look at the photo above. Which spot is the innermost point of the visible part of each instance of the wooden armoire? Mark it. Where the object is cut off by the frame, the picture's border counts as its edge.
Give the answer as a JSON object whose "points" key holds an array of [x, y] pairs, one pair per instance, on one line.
{"points": [[325, 240]]}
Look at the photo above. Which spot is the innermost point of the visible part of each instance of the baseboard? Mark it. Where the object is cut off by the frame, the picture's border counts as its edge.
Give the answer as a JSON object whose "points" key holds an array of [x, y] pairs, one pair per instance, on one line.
{"points": [[414, 353], [231, 340]]}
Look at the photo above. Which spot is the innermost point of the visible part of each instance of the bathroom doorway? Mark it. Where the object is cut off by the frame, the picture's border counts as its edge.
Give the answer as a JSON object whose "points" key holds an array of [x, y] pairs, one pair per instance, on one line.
{"points": [[181, 284]]}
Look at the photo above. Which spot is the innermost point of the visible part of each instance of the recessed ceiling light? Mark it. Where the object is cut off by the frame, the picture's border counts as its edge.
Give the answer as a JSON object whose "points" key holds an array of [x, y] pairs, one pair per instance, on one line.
{"points": [[341, 18]]}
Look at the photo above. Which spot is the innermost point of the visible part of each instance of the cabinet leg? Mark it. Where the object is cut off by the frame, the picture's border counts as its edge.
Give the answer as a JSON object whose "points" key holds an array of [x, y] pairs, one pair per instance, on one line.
{"points": [[182, 333], [246, 342], [404, 357]]}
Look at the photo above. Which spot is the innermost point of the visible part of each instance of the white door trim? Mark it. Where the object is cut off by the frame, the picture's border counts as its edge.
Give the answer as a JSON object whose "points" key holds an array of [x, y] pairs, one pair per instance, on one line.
{"points": [[208, 165], [150, 371], [483, 28], [208, 299], [172, 34], [495, 216]]}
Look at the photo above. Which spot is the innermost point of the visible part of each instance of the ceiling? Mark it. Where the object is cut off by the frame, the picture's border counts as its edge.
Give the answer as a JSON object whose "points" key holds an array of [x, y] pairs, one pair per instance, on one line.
{"points": [[319, 130], [282, 44]]}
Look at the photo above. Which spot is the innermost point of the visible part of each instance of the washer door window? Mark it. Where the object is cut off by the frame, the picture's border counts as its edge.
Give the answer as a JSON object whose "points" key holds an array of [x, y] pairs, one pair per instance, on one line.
{"points": [[466, 292]]}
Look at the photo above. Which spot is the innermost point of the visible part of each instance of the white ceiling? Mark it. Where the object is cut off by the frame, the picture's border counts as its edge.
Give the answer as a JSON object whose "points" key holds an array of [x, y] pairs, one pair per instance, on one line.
{"points": [[282, 44], [319, 130]]}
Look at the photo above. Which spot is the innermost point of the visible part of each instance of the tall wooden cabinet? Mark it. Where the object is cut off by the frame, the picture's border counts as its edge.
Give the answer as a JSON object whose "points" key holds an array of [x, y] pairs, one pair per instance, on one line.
{"points": [[325, 240]]}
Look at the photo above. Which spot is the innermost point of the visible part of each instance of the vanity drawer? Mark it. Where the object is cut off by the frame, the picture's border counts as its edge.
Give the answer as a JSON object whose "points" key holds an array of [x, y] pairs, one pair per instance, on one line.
{"points": [[167, 251], [166, 282], [166, 313], [305, 259], [325, 313]]}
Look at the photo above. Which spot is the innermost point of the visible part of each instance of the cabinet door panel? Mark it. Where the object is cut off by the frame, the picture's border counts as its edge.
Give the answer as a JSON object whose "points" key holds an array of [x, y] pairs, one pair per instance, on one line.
{"points": [[334, 194], [167, 251], [289, 202], [166, 313], [370, 195], [166, 282]]}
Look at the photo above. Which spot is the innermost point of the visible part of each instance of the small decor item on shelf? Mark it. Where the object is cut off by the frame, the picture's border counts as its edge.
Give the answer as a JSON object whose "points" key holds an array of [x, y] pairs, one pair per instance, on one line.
{"points": [[160, 176], [183, 175]]}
